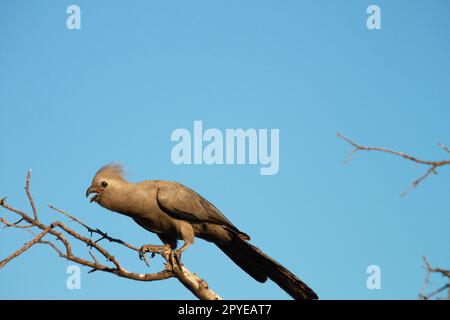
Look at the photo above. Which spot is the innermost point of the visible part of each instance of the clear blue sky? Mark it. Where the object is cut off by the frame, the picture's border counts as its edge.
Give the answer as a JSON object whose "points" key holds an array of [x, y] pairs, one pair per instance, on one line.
{"points": [[73, 100]]}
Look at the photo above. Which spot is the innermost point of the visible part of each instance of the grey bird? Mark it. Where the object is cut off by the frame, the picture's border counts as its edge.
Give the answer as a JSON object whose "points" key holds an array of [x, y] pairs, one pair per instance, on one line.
{"points": [[175, 212]]}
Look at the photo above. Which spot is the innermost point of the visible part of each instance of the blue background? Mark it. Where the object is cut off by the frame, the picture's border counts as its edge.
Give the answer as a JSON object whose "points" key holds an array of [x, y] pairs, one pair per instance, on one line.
{"points": [[73, 100]]}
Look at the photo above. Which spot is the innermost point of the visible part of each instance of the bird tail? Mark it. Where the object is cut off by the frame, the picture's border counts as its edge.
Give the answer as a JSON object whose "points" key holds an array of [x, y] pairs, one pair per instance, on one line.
{"points": [[260, 266]]}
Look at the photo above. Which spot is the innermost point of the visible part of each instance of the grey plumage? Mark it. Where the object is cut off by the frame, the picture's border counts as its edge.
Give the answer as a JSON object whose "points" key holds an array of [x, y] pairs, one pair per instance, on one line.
{"points": [[175, 212]]}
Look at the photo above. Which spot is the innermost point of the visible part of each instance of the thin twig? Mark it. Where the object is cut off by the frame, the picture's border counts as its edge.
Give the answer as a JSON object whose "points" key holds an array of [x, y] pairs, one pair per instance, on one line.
{"points": [[30, 198], [26, 247], [433, 165], [430, 270], [14, 224], [444, 147], [103, 235]]}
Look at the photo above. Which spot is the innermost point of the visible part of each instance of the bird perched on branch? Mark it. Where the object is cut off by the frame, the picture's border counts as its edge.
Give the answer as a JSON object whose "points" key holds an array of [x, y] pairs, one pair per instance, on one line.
{"points": [[175, 212]]}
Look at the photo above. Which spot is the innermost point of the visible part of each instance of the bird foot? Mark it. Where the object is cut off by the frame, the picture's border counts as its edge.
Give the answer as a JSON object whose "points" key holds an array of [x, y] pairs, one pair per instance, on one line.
{"points": [[173, 258], [150, 248], [177, 256]]}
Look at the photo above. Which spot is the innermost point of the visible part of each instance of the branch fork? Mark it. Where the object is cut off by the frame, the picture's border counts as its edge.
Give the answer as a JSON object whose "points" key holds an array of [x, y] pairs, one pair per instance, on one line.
{"points": [[432, 165]]}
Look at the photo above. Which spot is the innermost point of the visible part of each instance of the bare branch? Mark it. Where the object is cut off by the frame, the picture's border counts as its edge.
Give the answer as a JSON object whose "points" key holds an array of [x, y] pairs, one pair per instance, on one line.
{"points": [[25, 247], [54, 246], [173, 266], [444, 272], [103, 235], [430, 270], [14, 224], [433, 165], [444, 147], [30, 198]]}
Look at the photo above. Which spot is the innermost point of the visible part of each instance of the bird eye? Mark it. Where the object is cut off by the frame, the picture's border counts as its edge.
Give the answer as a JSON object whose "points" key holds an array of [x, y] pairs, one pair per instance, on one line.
{"points": [[104, 184]]}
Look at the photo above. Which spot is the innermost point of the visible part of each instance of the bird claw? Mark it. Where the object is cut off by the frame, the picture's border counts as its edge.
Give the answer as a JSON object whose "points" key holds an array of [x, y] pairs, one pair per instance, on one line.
{"points": [[147, 248], [177, 254], [143, 256], [150, 248], [175, 258]]}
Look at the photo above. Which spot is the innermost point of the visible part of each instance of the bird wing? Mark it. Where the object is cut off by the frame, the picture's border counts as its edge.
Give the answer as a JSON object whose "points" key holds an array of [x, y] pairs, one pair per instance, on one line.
{"points": [[182, 203]]}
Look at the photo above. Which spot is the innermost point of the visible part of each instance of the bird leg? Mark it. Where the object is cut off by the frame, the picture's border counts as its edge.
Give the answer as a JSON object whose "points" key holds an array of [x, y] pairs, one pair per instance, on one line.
{"points": [[177, 253]]}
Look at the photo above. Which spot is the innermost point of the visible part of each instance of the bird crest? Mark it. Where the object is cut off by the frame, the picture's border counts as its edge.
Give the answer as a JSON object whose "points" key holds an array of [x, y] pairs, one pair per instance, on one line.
{"points": [[111, 170]]}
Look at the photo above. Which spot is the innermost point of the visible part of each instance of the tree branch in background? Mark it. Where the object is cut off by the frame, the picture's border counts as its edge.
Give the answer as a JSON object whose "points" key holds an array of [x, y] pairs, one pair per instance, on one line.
{"points": [[430, 270], [60, 232], [432, 166]]}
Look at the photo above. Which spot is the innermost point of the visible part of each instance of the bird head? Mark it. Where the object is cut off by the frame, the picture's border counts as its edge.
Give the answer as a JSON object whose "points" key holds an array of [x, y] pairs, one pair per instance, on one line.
{"points": [[105, 182]]}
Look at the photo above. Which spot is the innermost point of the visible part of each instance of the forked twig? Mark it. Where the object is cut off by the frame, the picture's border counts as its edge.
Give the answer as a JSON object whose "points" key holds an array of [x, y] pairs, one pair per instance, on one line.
{"points": [[432, 165]]}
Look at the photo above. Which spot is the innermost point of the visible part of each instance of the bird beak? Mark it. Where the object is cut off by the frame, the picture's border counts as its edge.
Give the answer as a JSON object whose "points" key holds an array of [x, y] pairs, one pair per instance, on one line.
{"points": [[92, 190]]}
